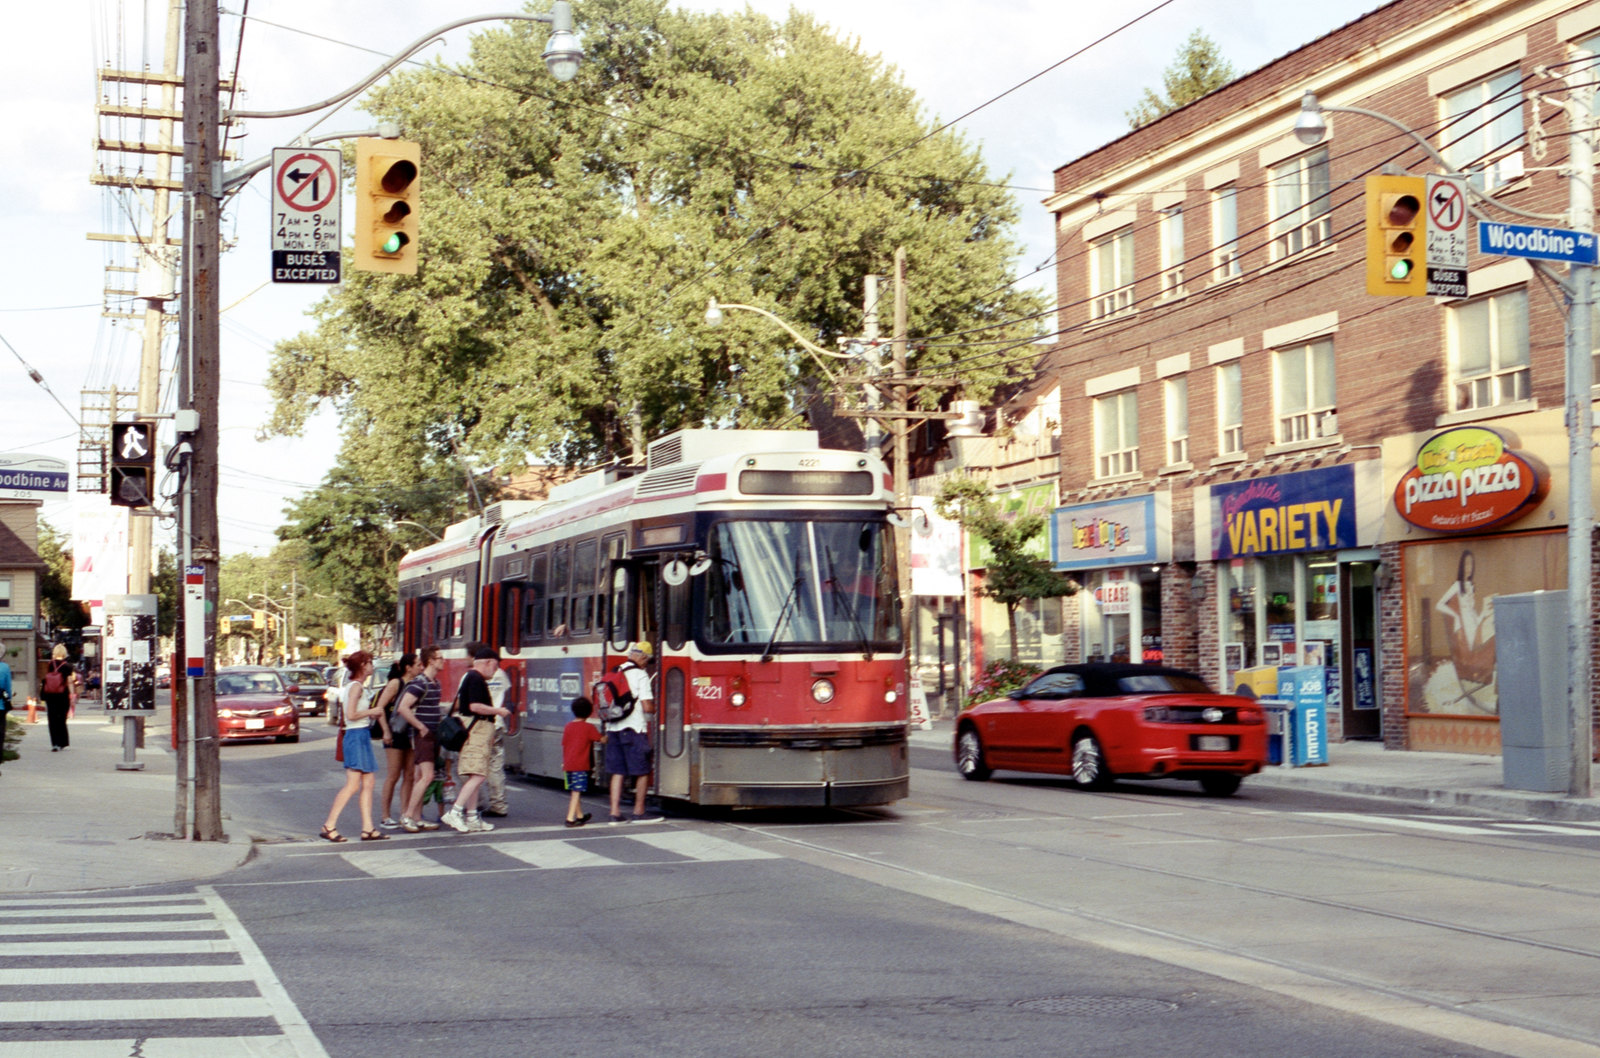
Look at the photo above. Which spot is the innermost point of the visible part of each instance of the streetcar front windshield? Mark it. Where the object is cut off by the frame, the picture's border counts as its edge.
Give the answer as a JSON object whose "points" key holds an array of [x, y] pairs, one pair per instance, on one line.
{"points": [[815, 583]]}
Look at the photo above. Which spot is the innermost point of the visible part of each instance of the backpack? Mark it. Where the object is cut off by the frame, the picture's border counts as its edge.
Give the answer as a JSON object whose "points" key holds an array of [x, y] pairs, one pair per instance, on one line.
{"points": [[55, 682], [613, 698]]}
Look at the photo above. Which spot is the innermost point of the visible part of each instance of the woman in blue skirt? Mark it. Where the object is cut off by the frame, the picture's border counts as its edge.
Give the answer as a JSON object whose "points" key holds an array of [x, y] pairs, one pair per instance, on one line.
{"points": [[360, 764]]}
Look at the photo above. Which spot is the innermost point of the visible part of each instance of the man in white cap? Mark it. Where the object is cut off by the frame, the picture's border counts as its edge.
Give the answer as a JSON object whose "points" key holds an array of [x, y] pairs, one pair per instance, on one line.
{"points": [[627, 747]]}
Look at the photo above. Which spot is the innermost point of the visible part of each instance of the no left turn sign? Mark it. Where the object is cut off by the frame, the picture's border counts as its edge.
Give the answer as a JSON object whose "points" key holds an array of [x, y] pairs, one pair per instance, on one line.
{"points": [[305, 214]]}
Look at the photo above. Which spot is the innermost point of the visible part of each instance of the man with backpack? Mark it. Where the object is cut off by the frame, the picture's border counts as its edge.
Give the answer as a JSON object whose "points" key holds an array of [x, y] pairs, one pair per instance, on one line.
{"points": [[627, 746]]}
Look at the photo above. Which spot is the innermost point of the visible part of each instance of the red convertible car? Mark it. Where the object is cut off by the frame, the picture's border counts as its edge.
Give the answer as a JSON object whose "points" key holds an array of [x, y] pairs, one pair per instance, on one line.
{"points": [[1104, 721]]}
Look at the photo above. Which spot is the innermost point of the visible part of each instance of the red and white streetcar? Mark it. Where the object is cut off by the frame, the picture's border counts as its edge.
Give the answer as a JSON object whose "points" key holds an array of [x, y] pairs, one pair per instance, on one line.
{"points": [[758, 565]]}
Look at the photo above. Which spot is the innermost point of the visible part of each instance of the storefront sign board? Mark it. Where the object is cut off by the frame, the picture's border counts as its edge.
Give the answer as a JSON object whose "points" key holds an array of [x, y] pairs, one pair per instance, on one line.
{"points": [[1469, 479], [1112, 533], [1035, 499], [1313, 510]]}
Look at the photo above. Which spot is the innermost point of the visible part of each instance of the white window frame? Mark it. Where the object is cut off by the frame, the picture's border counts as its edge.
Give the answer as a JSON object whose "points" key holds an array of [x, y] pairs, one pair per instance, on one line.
{"points": [[1175, 399], [1483, 132], [1116, 434], [1111, 294], [1230, 408], [1172, 255], [1300, 412], [6, 590], [1508, 376], [1225, 263], [1300, 201]]}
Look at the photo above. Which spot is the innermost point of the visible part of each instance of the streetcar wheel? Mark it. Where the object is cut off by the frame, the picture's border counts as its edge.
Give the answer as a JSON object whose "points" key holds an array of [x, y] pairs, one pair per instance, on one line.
{"points": [[1220, 784], [1089, 763], [969, 757]]}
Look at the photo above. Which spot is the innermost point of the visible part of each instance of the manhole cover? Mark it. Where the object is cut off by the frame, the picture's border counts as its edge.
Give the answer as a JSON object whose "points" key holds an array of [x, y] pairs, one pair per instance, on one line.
{"points": [[1096, 1006]]}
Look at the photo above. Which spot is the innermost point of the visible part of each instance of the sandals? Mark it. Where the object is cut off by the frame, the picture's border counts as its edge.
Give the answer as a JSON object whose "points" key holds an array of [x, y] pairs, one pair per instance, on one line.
{"points": [[374, 835], [331, 834]]}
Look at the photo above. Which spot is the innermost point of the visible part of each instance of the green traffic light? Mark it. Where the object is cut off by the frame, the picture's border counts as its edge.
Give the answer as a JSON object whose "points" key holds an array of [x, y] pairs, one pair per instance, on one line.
{"points": [[1400, 269], [393, 243]]}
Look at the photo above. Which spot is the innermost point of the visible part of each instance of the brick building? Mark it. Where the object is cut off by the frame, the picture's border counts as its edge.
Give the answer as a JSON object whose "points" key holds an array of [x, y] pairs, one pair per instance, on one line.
{"points": [[1237, 412]]}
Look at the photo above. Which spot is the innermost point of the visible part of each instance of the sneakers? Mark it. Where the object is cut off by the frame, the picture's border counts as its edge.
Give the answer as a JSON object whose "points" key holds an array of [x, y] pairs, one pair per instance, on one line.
{"points": [[455, 819], [617, 820], [476, 825], [416, 826], [389, 823], [580, 821], [647, 818]]}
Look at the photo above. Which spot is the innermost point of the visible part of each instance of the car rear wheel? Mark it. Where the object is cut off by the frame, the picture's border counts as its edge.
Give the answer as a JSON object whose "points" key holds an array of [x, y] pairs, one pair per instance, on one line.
{"points": [[1089, 762], [969, 757], [1221, 784]]}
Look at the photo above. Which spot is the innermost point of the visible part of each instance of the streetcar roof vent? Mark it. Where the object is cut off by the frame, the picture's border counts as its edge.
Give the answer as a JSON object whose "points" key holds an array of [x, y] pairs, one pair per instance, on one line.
{"points": [[499, 512], [696, 446], [592, 482], [667, 481]]}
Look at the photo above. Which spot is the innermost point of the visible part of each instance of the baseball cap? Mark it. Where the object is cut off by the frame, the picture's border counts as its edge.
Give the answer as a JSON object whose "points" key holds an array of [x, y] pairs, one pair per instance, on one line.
{"points": [[640, 648]]}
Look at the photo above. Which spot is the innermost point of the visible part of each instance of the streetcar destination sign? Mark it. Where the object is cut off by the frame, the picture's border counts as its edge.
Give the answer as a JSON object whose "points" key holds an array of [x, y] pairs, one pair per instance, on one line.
{"points": [[1547, 244]]}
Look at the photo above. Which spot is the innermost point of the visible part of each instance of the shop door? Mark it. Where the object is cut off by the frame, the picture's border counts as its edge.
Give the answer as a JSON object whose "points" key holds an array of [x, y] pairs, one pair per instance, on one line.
{"points": [[1359, 687]]}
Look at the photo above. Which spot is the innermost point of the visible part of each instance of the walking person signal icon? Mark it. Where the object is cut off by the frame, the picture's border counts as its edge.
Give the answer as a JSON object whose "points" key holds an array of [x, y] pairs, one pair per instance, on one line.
{"points": [[133, 463]]}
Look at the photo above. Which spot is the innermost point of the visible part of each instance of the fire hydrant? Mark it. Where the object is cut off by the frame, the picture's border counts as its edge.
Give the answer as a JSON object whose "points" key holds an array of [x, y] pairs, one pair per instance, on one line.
{"points": [[33, 710]]}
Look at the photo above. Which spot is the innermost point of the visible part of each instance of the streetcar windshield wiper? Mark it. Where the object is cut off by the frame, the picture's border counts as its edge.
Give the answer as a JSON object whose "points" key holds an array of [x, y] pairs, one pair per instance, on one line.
{"points": [[788, 601], [841, 599]]}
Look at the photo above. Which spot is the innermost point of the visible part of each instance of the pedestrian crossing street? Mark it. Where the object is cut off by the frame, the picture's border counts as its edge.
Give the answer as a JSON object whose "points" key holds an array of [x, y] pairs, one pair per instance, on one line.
{"points": [[599, 848], [153, 976], [1468, 825]]}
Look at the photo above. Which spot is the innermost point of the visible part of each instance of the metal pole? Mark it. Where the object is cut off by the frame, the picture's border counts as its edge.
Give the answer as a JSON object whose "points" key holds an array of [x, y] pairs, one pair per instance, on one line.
{"points": [[1580, 436], [902, 469]]}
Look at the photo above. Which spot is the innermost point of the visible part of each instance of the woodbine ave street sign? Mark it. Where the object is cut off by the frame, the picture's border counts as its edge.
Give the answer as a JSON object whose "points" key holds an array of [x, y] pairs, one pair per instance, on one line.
{"points": [[1546, 244]]}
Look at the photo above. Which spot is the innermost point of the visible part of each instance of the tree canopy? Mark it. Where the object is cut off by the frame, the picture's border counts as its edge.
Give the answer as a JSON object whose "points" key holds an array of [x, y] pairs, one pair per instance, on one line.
{"points": [[570, 235], [1197, 69]]}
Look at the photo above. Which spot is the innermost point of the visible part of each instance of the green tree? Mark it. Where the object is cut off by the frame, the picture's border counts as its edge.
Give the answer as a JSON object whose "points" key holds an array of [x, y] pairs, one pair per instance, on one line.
{"points": [[1012, 576], [571, 234], [1197, 69], [55, 582]]}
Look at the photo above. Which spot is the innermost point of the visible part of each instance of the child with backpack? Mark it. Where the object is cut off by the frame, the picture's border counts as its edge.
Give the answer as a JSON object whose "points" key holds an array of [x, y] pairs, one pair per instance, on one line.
{"points": [[576, 756]]}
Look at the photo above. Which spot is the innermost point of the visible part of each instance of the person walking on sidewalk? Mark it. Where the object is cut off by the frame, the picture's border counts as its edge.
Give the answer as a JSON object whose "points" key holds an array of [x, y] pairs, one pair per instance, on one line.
{"points": [[627, 752], [474, 701], [396, 738], [419, 709], [59, 689], [359, 762]]}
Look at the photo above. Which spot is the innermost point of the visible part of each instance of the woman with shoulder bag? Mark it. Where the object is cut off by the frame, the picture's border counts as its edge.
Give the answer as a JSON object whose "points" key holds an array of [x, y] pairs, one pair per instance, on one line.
{"points": [[359, 762], [396, 734]]}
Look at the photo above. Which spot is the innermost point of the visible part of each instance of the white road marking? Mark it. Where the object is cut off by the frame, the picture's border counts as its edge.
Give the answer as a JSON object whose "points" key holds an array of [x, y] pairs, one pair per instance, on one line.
{"points": [[555, 854], [122, 975], [702, 846], [399, 863]]}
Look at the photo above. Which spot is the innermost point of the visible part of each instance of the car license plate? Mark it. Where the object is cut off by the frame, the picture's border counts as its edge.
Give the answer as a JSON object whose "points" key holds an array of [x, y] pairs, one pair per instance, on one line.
{"points": [[257, 725], [1212, 743]]}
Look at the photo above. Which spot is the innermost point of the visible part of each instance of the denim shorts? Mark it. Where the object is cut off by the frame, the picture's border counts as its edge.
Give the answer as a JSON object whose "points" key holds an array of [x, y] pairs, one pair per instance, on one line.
{"points": [[358, 755], [627, 753], [578, 781]]}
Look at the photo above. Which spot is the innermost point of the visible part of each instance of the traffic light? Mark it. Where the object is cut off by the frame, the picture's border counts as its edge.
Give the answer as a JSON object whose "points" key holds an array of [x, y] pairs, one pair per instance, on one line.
{"points": [[224, 626], [133, 463], [1397, 236], [387, 205]]}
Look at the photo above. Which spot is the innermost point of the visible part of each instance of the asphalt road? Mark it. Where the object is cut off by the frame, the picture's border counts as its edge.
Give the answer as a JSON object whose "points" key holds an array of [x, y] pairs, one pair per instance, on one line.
{"points": [[1015, 916]]}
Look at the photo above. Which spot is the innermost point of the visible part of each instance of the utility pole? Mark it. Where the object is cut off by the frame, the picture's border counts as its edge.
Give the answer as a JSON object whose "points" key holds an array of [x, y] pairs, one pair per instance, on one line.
{"points": [[1580, 437], [198, 384], [902, 455]]}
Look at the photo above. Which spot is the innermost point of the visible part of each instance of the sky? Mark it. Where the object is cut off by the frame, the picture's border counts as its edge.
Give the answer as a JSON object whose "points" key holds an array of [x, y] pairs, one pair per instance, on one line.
{"points": [[956, 56]]}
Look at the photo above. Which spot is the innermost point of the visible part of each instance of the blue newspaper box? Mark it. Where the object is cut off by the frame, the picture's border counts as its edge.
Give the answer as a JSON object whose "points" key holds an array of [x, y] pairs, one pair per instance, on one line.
{"points": [[1280, 728], [1306, 686]]}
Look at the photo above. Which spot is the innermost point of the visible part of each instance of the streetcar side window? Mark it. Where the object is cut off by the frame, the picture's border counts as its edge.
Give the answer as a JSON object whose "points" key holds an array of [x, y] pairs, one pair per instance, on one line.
{"points": [[510, 625], [585, 565], [533, 599], [619, 607], [677, 616], [555, 604]]}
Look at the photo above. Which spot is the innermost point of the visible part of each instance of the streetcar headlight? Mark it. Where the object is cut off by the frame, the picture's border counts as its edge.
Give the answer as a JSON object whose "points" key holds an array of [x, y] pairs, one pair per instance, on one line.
{"points": [[822, 692], [737, 698], [890, 696]]}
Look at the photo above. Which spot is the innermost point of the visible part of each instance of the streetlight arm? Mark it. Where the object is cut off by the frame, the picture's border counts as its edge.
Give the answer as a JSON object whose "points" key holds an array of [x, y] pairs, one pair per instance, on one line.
{"points": [[1309, 129], [419, 525], [553, 19], [714, 316]]}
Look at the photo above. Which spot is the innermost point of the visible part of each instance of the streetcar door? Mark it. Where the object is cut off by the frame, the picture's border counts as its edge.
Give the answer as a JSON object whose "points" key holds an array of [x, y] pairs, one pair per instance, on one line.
{"points": [[671, 681]]}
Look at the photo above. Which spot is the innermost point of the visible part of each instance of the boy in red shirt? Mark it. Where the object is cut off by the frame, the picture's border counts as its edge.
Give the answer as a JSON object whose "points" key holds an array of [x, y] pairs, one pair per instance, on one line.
{"points": [[576, 738]]}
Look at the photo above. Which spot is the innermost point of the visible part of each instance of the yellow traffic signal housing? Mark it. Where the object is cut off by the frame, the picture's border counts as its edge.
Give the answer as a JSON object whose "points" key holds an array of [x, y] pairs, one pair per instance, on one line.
{"points": [[1397, 236], [387, 205], [224, 626]]}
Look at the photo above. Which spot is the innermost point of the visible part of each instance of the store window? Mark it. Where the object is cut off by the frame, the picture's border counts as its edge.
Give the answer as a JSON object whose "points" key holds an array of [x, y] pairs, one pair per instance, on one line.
{"points": [[1111, 274], [1304, 391], [1236, 582], [1482, 132], [1225, 233], [5, 593], [1230, 408], [1116, 434], [1302, 204], [1490, 361], [1176, 397], [1120, 615], [1172, 252]]}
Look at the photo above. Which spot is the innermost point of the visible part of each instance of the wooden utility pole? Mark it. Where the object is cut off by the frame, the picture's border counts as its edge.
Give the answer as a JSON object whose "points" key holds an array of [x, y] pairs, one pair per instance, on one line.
{"points": [[198, 385], [902, 455]]}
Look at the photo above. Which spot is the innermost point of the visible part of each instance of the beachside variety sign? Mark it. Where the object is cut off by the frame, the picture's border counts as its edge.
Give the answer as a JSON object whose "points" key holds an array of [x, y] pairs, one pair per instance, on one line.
{"points": [[1312, 510], [1468, 479]]}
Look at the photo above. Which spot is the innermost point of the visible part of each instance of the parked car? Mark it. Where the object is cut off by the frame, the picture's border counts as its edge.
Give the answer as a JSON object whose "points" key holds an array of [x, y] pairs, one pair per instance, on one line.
{"points": [[163, 675], [308, 688], [1104, 721], [253, 702]]}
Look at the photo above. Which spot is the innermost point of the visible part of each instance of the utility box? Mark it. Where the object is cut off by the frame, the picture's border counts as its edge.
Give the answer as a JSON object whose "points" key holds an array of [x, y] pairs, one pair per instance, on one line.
{"points": [[1530, 651]]}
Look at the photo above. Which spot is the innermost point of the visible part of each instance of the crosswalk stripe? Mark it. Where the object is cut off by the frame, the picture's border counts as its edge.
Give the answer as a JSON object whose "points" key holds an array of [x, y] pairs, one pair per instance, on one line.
{"points": [[112, 947], [123, 975], [398, 863], [117, 913], [133, 1009], [64, 929], [174, 1047], [288, 1016], [75, 903], [702, 846], [555, 854]]}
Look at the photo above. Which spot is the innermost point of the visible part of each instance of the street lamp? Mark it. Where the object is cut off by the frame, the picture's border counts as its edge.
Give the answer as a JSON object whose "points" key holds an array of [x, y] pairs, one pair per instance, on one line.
{"points": [[1309, 128], [418, 525]]}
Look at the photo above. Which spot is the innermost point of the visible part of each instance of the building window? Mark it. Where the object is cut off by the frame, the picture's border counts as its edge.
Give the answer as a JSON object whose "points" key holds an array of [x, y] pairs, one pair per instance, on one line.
{"points": [[1303, 376], [1482, 130], [1225, 233], [1489, 347], [1176, 398], [1230, 408], [1111, 274], [1172, 252], [5, 593], [1302, 204], [1116, 434]]}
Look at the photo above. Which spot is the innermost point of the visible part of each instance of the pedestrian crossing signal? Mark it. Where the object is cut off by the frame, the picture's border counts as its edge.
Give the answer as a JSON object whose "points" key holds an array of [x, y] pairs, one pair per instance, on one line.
{"points": [[133, 463]]}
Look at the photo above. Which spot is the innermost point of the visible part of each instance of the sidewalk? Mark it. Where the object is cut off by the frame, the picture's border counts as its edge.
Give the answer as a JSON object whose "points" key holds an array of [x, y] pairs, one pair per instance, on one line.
{"points": [[72, 820], [1467, 782]]}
